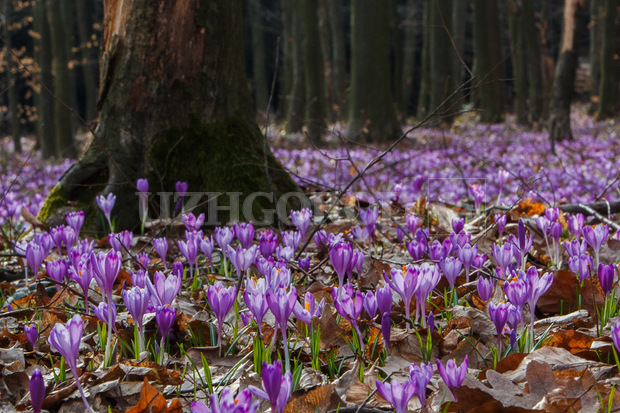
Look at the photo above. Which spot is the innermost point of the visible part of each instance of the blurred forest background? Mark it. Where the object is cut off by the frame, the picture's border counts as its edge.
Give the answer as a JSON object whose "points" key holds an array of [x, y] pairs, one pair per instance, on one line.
{"points": [[370, 66]]}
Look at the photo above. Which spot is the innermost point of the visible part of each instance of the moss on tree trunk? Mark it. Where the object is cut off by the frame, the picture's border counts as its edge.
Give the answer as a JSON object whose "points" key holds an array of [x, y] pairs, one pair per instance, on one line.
{"points": [[174, 107]]}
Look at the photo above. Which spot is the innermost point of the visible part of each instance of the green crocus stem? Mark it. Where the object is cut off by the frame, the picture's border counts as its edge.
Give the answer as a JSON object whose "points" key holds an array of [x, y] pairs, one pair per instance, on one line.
{"points": [[532, 327], [287, 361], [79, 386], [360, 339], [108, 343], [408, 315], [224, 263], [162, 343], [499, 345]]}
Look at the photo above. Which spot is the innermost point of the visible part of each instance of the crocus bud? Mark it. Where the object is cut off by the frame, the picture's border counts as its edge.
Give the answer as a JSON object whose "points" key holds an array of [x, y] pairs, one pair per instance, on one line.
{"points": [[37, 391], [32, 335]]}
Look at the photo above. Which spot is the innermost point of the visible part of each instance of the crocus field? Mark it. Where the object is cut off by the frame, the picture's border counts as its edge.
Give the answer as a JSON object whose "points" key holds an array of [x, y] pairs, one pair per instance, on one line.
{"points": [[448, 278]]}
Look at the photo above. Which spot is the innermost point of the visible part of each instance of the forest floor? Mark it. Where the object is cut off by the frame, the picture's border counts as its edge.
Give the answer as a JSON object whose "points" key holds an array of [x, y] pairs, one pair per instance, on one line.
{"points": [[441, 176]]}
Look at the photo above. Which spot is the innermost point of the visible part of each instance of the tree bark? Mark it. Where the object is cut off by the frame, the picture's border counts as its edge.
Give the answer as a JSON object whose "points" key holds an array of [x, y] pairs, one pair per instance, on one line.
{"points": [[65, 147], [488, 67], [565, 69], [532, 43], [460, 12], [425, 75], [608, 91], [371, 110], [411, 30], [339, 55], [43, 99], [175, 106], [259, 74], [296, 96], [518, 56], [597, 23], [12, 77], [441, 54], [314, 74], [89, 59]]}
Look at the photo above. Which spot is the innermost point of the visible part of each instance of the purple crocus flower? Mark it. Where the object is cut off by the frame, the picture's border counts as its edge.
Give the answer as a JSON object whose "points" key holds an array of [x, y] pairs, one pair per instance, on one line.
{"points": [[405, 283], [304, 264], [428, 279], [165, 317], [397, 394], [285, 253], [537, 287], [350, 306], [517, 290], [575, 224], [267, 243], [340, 255], [66, 340], [106, 268], [485, 288], [244, 233], [241, 258], [369, 218], [58, 236], [281, 303], [301, 219], [513, 317], [477, 192], [451, 267], [522, 242], [615, 335], [413, 222], [458, 224], [581, 266], [32, 335], [467, 254], [144, 260], [106, 204], [161, 247], [360, 233], [181, 188], [207, 245], [386, 330], [309, 309], [101, 312], [499, 315], [37, 390], [500, 220], [221, 301], [452, 375], [70, 237], [57, 271], [223, 237], [35, 254], [420, 377], [459, 239], [416, 249], [370, 304], [502, 177], [400, 235], [193, 223], [163, 290], [137, 301], [75, 220], [82, 274], [276, 387], [227, 403], [189, 250], [321, 239], [291, 239], [121, 241], [143, 185], [436, 252], [596, 237], [574, 248], [384, 299], [606, 275], [502, 255], [256, 302]]}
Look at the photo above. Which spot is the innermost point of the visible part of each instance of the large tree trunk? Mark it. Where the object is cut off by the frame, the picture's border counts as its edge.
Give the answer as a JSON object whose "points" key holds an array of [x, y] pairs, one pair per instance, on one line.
{"points": [[339, 55], [411, 29], [296, 102], [532, 44], [441, 55], [608, 90], [313, 71], [371, 108], [565, 69], [44, 101], [488, 67], [596, 41], [259, 74], [425, 65], [63, 119], [518, 54], [175, 106]]}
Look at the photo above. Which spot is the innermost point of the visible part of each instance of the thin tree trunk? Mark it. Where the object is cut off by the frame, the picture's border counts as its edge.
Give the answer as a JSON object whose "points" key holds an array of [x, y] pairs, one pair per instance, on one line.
{"points": [[12, 77], [65, 147], [518, 56], [327, 54], [597, 24], [441, 53], [68, 21], [313, 71], [44, 101], [608, 91], [488, 67], [424, 96], [532, 44], [88, 53], [565, 69], [460, 12], [371, 110], [339, 55], [411, 29], [296, 106]]}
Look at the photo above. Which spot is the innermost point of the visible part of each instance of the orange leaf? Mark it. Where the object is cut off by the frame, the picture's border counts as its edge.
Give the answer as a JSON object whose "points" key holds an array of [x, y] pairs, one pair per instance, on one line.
{"points": [[151, 401], [531, 208]]}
